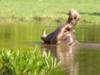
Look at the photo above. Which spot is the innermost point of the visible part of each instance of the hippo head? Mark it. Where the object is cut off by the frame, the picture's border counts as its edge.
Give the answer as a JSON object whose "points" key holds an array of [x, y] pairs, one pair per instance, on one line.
{"points": [[74, 17]]}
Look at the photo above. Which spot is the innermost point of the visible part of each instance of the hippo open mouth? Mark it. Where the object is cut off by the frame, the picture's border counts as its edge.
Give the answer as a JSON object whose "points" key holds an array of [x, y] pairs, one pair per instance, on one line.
{"points": [[63, 30]]}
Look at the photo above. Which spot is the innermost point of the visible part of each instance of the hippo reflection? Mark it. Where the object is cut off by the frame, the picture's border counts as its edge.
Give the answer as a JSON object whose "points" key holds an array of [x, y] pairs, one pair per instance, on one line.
{"points": [[66, 46]]}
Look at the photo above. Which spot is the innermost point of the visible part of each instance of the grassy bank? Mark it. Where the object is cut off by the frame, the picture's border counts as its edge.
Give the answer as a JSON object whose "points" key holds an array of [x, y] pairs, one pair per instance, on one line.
{"points": [[89, 9], [28, 61]]}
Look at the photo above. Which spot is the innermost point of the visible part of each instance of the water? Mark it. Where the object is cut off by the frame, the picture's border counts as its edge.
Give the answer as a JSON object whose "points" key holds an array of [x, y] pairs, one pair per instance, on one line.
{"points": [[19, 34], [88, 58], [89, 61], [84, 60]]}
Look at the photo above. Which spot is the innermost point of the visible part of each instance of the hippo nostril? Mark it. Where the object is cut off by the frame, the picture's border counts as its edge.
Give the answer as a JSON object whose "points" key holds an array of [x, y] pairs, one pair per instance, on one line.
{"points": [[68, 29]]}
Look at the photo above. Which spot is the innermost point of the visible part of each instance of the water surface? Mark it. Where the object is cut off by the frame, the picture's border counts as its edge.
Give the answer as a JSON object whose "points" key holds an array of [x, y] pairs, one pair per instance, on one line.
{"points": [[83, 60]]}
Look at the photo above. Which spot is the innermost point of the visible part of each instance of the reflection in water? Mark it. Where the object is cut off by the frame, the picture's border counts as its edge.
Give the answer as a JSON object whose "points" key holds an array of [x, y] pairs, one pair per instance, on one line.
{"points": [[52, 48], [66, 55], [77, 59]]}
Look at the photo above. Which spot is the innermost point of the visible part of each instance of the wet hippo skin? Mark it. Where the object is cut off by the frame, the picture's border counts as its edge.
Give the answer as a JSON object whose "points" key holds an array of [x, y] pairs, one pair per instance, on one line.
{"points": [[67, 28]]}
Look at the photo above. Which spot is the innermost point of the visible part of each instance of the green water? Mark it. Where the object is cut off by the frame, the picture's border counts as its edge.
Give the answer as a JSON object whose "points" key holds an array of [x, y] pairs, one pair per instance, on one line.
{"points": [[21, 34], [89, 61], [16, 35]]}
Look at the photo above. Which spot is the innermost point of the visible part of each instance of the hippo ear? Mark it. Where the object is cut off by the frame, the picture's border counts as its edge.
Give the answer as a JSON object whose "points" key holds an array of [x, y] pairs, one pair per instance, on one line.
{"points": [[69, 13]]}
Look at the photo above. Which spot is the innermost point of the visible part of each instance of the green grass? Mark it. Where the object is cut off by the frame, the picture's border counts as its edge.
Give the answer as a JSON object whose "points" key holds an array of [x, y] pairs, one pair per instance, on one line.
{"points": [[28, 61], [54, 8]]}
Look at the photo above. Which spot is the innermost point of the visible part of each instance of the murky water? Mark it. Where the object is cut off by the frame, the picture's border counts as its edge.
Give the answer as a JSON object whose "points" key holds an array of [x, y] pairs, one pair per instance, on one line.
{"points": [[89, 61], [83, 60], [23, 34]]}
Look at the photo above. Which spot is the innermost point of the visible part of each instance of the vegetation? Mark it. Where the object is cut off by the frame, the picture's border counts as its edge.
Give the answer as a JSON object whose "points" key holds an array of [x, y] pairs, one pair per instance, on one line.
{"points": [[52, 8], [28, 61]]}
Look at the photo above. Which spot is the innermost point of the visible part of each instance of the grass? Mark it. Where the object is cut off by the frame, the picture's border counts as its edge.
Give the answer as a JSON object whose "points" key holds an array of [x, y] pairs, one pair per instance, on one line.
{"points": [[52, 8], [28, 61]]}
